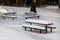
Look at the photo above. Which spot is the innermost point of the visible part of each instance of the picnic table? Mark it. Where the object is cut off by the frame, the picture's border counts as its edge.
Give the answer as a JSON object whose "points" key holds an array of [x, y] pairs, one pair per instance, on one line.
{"points": [[31, 15], [43, 22]]}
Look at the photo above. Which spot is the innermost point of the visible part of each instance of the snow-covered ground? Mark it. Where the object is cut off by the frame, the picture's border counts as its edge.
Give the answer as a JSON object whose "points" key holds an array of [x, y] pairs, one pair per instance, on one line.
{"points": [[12, 29]]}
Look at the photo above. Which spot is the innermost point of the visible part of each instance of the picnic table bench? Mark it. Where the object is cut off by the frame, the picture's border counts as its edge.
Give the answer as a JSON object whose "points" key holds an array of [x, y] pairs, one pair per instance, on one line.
{"points": [[13, 17], [33, 27]]}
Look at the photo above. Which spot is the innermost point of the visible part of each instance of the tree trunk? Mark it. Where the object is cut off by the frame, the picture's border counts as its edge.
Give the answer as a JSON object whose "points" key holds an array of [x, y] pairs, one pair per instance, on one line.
{"points": [[59, 3]]}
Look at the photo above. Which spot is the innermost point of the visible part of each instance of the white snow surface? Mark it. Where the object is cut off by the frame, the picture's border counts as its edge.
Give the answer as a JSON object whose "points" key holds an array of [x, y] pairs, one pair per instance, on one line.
{"points": [[12, 29]]}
